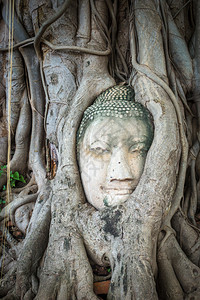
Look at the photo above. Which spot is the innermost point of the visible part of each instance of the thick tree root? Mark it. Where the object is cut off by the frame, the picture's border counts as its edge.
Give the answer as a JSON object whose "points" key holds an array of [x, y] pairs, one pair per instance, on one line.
{"points": [[71, 277], [188, 237], [10, 209], [34, 247], [7, 283], [20, 158], [36, 99], [178, 277]]}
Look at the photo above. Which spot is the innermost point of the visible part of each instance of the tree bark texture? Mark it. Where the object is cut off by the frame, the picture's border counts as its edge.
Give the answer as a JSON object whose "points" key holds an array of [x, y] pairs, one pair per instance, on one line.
{"points": [[65, 54]]}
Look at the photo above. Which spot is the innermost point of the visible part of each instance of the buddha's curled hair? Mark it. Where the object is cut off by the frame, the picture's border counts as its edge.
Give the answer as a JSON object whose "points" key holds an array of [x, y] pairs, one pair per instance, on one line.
{"points": [[118, 102]]}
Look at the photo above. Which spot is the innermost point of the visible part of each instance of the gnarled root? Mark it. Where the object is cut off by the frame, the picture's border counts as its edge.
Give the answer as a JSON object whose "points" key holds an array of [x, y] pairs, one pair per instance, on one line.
{"points": [[34, 247], [188, 237], [20, 158], [71, 276], [10, 209], [7, 283], [178, 277]]}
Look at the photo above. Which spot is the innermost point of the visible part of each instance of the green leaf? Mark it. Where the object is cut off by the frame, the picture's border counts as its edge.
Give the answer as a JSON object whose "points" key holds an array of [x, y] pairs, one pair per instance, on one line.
{"points": [[109, 270], [12, 183], [13, 177], [16, 176], [2, 169], [21, 178]]}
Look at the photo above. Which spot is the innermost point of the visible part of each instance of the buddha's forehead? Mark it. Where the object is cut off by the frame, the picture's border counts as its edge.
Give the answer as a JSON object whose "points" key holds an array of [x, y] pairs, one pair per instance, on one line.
{"points": [[112, 129]]}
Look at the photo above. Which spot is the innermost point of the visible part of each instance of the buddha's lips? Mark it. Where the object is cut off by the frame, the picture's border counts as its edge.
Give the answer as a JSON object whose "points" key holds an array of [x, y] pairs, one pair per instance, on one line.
{"points": [[119, 190]]}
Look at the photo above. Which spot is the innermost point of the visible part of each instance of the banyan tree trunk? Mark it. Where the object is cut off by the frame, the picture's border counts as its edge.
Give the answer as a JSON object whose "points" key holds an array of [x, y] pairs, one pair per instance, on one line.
{"points": [[68, 53]]}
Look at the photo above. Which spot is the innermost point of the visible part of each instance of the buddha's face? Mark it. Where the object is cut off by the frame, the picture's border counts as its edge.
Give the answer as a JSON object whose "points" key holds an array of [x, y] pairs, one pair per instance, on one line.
{"points": [[111, 159]]}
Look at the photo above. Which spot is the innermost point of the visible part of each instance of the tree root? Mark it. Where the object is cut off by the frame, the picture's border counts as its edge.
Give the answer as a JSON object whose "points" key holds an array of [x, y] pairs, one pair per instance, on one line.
{"points": [[9, 238], [10, 208], [97, 248], [71, 278], [27, 190], [34, 246], [178, 194], [7, 283], [188, 237], [46, 24], [78, 49], [30, 188], [178, 276], [179, 52], [37, 99], [20, 158]]}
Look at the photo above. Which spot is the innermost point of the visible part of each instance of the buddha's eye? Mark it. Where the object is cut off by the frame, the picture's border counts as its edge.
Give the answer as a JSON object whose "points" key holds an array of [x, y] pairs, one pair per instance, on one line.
{"points": [[99, 150], [136, 148]]}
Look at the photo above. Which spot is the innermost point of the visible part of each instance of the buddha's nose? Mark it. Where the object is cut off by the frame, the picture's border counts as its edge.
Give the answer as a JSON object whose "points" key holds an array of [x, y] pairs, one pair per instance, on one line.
{"points": [[118, 168]]}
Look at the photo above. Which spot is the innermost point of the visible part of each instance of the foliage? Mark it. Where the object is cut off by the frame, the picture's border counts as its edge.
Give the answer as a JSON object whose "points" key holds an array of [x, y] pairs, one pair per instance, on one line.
{"points": [[2, 169], [14, 177], [109, 270]]}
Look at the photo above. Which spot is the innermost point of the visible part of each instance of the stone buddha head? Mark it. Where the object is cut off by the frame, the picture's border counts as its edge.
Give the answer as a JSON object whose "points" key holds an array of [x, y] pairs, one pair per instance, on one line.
{"points": [[113, 139]]}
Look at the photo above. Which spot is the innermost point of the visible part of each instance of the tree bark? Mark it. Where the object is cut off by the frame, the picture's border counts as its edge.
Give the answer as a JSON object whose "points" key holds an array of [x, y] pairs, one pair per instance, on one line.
{"points": [[66, 54]]}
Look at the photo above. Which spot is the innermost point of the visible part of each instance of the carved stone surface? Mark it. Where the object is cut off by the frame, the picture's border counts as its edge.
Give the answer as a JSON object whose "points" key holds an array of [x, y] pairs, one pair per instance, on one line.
{"points": [[113, 141]]}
